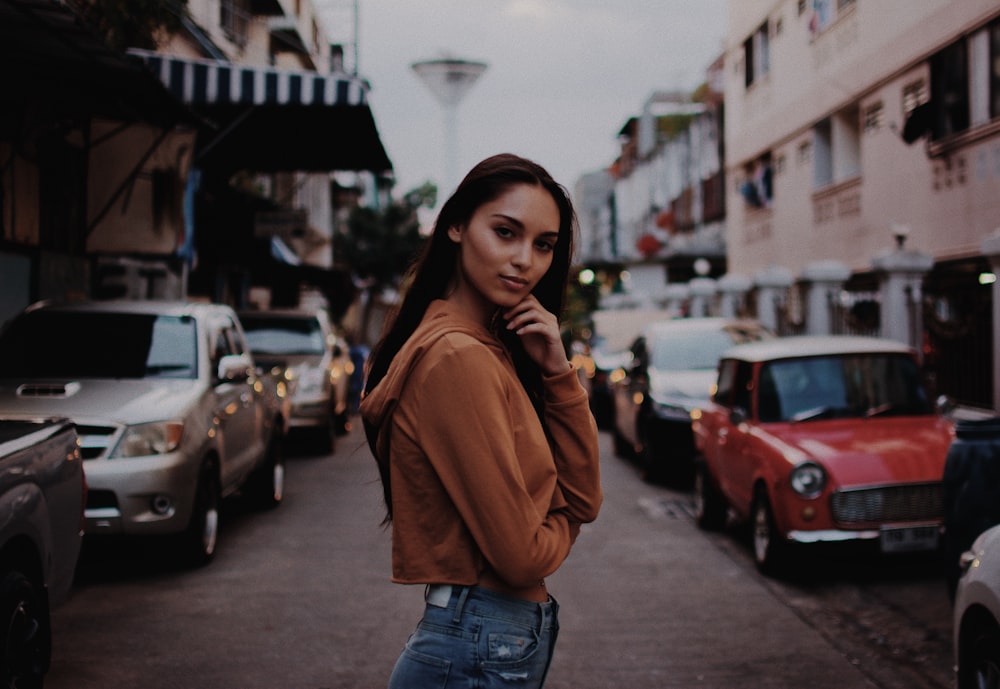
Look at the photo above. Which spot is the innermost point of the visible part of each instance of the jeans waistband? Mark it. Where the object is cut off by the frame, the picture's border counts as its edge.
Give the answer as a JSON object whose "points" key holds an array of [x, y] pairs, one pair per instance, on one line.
{"points": [[459, 598]]}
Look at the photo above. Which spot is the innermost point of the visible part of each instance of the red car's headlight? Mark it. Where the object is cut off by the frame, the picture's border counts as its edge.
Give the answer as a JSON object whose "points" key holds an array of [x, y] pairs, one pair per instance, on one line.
{"points": [[808, 479]]}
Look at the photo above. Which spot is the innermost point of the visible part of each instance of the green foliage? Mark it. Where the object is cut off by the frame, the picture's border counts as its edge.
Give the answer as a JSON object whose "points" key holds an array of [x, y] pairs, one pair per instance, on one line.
{"points": [[131, 23], [581, 301], [672, 125], [380, 244]]}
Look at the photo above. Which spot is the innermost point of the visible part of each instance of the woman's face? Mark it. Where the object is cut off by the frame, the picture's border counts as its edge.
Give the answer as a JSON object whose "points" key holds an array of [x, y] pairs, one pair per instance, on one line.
{"points": [[506, 248]]}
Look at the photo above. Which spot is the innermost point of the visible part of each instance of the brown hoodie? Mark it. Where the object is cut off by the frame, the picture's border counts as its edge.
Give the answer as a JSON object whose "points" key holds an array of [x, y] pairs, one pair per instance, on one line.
{"points": [[479, 491]]}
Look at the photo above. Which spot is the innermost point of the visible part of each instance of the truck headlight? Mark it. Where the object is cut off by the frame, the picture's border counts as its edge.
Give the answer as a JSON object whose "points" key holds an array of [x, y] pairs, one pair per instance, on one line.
{"points": [[808, 479], [312, 380], [157, 438]]}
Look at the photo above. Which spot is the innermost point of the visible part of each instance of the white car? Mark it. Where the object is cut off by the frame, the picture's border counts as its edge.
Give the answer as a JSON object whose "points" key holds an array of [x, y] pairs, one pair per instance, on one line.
{"points": [[977, 614]]}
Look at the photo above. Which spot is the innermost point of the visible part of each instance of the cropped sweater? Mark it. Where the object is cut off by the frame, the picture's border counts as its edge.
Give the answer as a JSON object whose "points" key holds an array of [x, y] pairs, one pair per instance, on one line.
{"points": [[479, 488]]}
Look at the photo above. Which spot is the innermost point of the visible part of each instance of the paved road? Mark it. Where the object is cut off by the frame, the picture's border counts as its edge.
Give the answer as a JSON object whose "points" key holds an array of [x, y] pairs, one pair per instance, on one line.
{"points": [[299, 598]]}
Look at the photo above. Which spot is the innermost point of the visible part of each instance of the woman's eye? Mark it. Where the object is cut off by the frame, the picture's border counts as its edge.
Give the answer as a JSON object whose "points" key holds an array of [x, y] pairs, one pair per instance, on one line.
{"points": [[504, 231], [546, 245]]}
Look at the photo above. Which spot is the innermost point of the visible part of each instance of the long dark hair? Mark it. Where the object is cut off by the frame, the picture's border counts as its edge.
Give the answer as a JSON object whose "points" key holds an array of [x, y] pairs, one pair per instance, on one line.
{"points": [[432, 273]]}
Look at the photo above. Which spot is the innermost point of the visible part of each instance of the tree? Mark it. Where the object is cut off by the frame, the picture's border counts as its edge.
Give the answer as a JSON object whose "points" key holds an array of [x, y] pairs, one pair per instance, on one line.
{"points": [[131, 23], [380, 244]]}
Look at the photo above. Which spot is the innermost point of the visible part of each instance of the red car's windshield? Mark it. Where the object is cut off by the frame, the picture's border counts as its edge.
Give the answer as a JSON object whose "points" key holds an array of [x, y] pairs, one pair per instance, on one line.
{"points": [[857, 385]]}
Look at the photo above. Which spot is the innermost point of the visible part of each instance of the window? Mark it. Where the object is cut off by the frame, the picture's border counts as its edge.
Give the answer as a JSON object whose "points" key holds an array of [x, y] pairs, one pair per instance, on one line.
{"points": [[111, 345], [822, 154], [804, 153], [743, 386], [724, 388], [914, 95], [283, 336], [822, 15], [841, 386], [994, 72], [837, 147], [234, 20], [965, 83], [757, 187], [950, 91], [757, 55], [873, 118], [825, 12]]}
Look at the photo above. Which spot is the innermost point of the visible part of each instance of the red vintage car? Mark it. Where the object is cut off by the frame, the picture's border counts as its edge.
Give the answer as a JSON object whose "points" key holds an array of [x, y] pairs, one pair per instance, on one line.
{"points": [[822, 439]]}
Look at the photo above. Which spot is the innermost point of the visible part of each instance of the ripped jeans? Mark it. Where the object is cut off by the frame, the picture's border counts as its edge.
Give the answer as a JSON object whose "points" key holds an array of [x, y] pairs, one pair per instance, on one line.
{"points": [[480, 639]]}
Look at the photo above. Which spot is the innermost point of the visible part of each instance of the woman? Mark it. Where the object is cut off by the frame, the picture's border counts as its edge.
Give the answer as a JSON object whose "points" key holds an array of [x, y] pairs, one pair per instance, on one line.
{"points": [[485, 444]]}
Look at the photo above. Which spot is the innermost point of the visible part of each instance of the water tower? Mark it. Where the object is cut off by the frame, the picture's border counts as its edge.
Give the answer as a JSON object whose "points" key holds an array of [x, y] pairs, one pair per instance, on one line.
{"points": [[449, 79]]}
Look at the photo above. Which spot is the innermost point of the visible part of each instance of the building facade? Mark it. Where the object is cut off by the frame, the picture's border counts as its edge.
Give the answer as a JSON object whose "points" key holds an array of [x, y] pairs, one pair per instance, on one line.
{"points": [[206, 168], [863, 146], [655, 218], [859, 143]]}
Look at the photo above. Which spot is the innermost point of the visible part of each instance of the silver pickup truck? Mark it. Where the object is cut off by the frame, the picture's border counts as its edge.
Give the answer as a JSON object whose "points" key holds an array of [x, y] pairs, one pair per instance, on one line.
{"points": [[171, 416], [42, 491]]}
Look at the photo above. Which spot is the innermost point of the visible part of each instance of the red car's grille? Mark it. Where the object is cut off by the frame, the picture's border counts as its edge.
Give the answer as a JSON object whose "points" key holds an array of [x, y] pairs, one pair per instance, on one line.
{"points": [[909, 503]]}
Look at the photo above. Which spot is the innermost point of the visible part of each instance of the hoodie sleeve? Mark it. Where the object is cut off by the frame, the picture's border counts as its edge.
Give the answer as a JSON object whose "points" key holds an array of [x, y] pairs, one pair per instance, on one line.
{"points": [[494, 461], [573, 434]]}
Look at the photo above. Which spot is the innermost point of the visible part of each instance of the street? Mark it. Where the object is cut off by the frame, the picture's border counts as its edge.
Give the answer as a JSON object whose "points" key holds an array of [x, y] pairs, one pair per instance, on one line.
{"points": [[300, 598]]}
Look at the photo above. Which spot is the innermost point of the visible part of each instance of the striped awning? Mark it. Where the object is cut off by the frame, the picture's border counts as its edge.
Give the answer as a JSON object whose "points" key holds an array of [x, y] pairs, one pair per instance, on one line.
{"points": [[272, 119]]}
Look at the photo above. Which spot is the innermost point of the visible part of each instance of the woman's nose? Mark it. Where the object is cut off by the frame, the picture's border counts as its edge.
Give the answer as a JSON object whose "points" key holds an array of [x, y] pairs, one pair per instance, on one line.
{"points": [[522, 255]]}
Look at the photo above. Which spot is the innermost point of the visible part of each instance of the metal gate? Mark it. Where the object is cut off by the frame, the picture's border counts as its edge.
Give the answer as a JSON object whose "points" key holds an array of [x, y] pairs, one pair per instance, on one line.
{"points": [[957, 314]]}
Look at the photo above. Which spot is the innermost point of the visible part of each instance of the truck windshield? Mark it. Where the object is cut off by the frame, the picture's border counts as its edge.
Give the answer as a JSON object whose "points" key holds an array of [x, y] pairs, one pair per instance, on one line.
{"points": [[272, 335], [62, 344], [690, 351]]}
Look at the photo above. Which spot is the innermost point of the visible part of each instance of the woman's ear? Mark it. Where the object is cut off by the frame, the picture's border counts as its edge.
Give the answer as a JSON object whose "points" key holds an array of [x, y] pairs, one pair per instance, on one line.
{"points": [[455, 234]]}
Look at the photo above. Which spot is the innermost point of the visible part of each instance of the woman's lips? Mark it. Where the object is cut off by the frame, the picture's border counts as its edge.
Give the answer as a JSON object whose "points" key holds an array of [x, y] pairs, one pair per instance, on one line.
{"points": [[513, 282]]}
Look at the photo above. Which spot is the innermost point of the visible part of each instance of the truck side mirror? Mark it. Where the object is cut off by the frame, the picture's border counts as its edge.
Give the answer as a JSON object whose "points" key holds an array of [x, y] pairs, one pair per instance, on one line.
{"points": [[234, 367]]}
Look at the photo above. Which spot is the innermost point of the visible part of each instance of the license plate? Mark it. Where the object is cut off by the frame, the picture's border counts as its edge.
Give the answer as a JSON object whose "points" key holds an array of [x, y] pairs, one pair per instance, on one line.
{"points": [[909, 539]]}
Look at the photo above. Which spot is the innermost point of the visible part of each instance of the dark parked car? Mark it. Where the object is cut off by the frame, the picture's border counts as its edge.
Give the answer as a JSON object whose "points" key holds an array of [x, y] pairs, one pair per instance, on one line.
{"points": [[819, 440], [42, 496], [971, 489], [668, 376]]}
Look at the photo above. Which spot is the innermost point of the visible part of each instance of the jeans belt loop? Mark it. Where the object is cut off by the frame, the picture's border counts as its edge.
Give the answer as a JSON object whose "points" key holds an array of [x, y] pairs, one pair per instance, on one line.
{"points": [[460, 605]]}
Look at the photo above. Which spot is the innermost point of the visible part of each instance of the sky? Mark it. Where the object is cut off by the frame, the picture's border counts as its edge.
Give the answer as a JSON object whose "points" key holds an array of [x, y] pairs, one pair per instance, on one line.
{"points": [[563, 76]]}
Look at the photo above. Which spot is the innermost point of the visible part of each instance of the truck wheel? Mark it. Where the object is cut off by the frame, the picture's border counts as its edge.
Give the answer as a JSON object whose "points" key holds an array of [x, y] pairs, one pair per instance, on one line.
{"points": [[199, 539], [25, 636], [267, 484]]}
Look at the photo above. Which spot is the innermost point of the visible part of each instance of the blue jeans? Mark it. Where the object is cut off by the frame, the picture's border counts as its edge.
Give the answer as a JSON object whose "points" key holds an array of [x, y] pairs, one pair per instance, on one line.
{"points": [[480, 639]]}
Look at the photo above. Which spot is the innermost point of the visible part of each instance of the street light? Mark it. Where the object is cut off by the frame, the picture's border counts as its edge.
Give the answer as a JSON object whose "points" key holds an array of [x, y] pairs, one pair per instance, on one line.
{"points": [[449, 79]]}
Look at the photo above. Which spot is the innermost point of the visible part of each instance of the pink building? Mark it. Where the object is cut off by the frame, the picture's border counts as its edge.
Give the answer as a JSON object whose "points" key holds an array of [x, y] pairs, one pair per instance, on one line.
{"points": [[863, 174]]}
